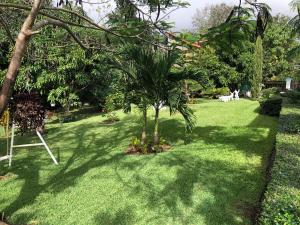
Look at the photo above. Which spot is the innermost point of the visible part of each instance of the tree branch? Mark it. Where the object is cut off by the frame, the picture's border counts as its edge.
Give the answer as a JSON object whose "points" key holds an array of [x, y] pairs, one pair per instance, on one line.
{"points": [[5, 26], [88, 20], [17, 56], [58, 23]]}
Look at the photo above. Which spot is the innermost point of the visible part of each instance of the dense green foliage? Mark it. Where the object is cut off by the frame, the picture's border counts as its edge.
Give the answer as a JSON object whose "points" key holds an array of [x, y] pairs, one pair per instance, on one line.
{"points": [[216, 92], [152, 81], [293, 96], [209, 70], [269, 92], [282, 199], [278, 41], [234, 44], [216, 179], [295, 23], [60, 70], [271, 106]]}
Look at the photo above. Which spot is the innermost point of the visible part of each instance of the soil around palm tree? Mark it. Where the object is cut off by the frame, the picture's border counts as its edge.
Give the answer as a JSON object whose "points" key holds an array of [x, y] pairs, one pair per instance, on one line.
{"points": [[149, 149], [110, 121]]}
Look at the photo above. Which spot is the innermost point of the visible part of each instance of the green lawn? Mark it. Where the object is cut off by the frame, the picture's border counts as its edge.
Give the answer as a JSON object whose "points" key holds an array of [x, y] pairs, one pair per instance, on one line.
{"points": [[217, 178]]}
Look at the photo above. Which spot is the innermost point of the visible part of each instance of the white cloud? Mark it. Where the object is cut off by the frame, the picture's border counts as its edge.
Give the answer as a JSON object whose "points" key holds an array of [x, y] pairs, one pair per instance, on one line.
{"points": [[183, 17]]}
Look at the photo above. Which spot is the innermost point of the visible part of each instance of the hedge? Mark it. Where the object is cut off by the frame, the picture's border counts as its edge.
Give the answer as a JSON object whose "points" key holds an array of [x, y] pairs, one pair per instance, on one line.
{"points": [[281, 204], [271, 106]]}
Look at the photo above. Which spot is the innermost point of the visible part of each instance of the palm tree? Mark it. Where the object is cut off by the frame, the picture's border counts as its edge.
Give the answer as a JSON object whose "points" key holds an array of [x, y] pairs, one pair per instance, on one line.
{"points": [[158, 84], [295, 23], [134, 96]]}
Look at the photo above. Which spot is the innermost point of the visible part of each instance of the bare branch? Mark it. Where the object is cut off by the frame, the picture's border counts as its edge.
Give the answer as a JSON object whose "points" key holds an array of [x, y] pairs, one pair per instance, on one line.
{"points": [[5, 26], [58, 23], [95, 3], [158, 12], [88, 20]]}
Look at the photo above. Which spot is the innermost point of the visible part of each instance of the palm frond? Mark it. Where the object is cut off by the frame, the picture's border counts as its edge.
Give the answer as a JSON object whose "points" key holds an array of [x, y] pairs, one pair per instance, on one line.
{"points": [[177, 102]]}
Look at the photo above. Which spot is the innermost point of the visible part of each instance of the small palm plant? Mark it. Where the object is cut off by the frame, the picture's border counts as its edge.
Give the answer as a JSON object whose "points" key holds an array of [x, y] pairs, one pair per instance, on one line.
{"points": [[157, 83]]}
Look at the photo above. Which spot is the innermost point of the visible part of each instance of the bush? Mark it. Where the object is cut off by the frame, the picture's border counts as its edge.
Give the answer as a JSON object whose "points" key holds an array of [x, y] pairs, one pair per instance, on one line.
{"points": [[216, 92], [114, 101], [269, 92], [283, 94], [291, 124], [293, 96], [281, 204], [271, 106]]}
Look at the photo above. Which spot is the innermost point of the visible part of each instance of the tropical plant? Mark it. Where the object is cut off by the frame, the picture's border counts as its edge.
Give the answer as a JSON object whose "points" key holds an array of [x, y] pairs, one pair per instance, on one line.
{"points": [[208, 70], [295, 23], [234, 40], [157, 83], [278, 42], [43, 14]]}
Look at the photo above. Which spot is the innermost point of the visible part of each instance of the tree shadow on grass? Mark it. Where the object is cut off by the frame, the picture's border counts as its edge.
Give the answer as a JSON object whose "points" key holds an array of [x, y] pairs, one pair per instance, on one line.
{"points": [[222, 189], [246, 139], [221, 181], [66, 174], [124, 216]]}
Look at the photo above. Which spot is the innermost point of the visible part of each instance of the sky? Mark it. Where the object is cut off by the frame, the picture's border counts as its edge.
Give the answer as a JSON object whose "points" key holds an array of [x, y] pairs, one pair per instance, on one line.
{"points": [[183, 17]]}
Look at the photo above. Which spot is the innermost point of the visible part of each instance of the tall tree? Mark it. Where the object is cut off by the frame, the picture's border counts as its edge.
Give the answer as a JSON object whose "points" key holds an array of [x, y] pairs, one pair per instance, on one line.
{"points": [[295, 23], [18, 53], [211, 16], [278, 41], [57, 17], [258, 68]]}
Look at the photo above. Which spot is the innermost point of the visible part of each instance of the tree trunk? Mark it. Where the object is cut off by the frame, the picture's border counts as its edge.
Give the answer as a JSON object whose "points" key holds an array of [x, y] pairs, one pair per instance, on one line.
{"points": [[17, 56], [186, 90], [155, 135], [144, 134], [67, 108]]}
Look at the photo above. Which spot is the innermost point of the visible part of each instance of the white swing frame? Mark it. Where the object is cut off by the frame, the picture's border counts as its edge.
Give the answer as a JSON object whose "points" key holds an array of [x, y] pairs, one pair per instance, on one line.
{"points": [[43, 143], [7, 156]]}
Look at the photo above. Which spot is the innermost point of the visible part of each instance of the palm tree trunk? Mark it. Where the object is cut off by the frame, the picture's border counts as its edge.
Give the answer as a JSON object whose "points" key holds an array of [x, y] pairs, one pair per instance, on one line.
{"points": [[67, 108], [144, 134], [155, 135], [186, 90]]}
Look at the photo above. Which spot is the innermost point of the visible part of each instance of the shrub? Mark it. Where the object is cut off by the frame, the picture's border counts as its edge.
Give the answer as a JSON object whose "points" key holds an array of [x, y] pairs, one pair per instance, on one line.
{"points": [[112, 103], [269, 92], [215, 92], [283, 94], [281, 204], [271, 106], [291, 124], [223, 91], [293, 96]]}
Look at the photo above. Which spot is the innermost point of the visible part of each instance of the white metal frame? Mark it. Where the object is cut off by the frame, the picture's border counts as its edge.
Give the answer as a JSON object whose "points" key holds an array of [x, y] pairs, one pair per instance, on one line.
{"points": [[5, 157], [12, 146]]}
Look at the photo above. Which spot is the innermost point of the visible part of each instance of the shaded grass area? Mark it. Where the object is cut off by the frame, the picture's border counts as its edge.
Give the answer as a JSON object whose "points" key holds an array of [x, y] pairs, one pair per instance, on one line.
{"points": [[282, 198], [215, 176]]}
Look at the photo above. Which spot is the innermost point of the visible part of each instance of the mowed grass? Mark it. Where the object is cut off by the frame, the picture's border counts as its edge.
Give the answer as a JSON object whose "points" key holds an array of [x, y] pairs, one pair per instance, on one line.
{"points": [[215, 176]]}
